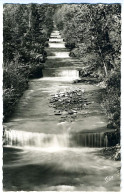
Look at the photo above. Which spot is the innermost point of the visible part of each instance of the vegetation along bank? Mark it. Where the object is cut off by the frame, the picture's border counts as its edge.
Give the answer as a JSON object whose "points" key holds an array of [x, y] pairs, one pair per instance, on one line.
{"points": [[26, 29]]}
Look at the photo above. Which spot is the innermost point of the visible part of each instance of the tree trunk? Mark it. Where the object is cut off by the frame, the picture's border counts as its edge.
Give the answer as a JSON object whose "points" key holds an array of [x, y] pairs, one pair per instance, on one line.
{"points": [[105, 69]]}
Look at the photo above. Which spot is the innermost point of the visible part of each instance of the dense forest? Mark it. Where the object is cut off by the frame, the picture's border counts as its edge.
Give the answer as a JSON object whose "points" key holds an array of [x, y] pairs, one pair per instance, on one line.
{"points": [[92, 34], [26, 29]]}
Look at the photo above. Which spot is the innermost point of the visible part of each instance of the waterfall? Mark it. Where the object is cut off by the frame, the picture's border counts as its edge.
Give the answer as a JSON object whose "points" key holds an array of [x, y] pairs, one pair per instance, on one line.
{"points": [[59, 55], [42, 140], [69, 73], [91, 139], [55, 34], [57, 45], [23, 138], [56, 41], [64, 75]]}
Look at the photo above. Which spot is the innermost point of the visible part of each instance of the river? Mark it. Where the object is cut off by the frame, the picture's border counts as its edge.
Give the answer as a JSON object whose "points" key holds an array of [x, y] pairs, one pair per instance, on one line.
{"points": [[43, 152]]}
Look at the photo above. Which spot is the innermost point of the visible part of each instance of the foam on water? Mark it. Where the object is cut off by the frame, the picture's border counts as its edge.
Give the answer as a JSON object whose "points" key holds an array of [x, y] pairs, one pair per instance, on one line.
{"points": [[57, 45], [55, 40], [42, 140], [59, 55]]}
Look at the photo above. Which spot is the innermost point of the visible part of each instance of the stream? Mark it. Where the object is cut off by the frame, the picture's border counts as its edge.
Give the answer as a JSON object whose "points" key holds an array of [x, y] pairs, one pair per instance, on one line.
{"points": [[43, 152]]}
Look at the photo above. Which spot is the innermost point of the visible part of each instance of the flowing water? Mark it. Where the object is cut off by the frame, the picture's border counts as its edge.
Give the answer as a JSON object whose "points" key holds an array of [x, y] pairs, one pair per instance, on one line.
{"points": [[44, 153]]}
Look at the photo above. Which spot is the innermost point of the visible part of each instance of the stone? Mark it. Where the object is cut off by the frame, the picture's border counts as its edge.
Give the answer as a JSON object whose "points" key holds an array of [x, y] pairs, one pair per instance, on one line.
{"points": [[58, 113], [79, 94], [56, 96], [63, 116], [64, 112], [70, 112], [74, 111]]}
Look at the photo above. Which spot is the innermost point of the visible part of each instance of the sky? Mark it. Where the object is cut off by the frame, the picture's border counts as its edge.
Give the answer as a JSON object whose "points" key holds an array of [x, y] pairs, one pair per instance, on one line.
{"points": [[61, 1]]}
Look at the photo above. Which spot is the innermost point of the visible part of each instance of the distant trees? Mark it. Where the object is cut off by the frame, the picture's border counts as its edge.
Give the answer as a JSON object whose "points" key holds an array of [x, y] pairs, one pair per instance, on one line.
{"points": [[93, 30], [93, 34], [26, 28]]}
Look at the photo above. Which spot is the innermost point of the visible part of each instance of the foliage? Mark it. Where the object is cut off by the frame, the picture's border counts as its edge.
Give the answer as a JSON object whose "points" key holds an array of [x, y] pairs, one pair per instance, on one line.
{"points": [[26, 28], [113, 152], [93, 34], [92, 29], [112, 99]]}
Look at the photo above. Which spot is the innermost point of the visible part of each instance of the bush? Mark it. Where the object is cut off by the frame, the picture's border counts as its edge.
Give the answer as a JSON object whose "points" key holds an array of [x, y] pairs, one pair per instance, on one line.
{"points": [[23, 48], [14, 84]]}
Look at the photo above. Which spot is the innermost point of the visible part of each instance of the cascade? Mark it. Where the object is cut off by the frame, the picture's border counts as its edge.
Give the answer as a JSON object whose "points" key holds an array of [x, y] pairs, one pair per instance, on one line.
{"points": [[56, 41], [57, 45], [23, 138], [35, 139], [64, 75], [42, 140], [91, 139], [48, 152], [59, 55], [69, 73]]}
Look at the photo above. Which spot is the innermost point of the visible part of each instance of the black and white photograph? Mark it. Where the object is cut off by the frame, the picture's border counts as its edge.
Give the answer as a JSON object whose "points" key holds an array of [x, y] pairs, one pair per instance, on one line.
{"points": [[61, 96]]}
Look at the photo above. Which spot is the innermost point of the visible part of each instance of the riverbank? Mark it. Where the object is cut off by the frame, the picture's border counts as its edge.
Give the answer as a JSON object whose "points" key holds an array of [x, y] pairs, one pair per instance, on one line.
{"points": [[23, 49], [15, 82], [113, 153]]}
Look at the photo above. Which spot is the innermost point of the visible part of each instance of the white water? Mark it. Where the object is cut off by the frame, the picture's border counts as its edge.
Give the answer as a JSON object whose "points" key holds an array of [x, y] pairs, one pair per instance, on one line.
{"points": [[69, 73], [56, 41], [64, 75], [59, 55], [55, 34], [57, 45], [42, 140]]}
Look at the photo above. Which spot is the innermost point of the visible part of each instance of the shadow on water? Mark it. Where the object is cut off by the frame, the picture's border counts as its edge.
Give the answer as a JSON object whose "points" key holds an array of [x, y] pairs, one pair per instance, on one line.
{"points": [[62, 170], [36, 177]]}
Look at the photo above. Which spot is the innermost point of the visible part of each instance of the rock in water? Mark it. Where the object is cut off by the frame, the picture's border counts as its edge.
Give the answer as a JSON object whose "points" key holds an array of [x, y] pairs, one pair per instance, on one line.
{"points": [[68, 103], [70, 112], [58, 113]]}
